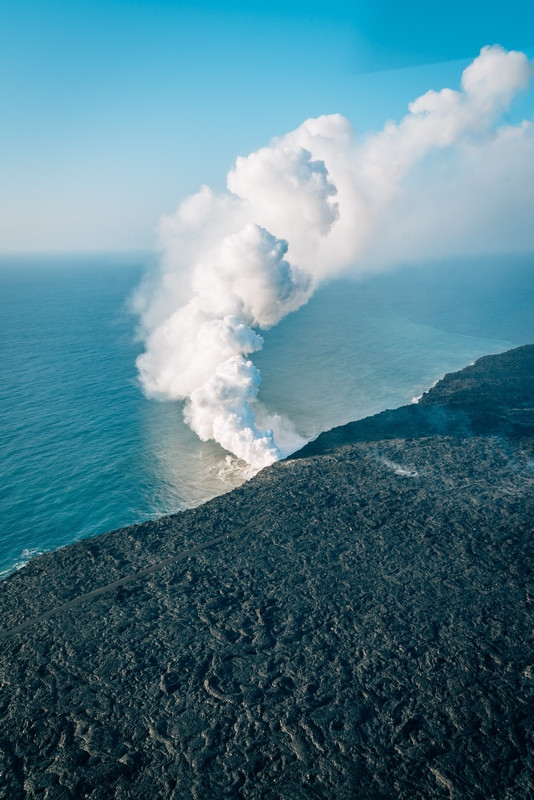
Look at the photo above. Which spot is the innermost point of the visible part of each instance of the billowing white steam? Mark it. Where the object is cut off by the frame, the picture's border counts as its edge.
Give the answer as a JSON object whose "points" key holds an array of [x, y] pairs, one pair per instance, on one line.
{"points": [[198, 352], [313, 203]]}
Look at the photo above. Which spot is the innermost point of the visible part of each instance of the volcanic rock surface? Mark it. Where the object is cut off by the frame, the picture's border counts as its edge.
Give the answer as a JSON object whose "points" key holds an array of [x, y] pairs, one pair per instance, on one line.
{"points": [[370, 635]]}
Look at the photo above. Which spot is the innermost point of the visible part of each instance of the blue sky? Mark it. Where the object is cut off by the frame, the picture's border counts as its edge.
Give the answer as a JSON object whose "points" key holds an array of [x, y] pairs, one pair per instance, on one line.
{"points": [[113, 111]]}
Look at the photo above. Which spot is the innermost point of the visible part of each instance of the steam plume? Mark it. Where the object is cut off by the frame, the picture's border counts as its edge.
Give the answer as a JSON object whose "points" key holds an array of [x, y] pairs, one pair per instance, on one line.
{"points": [[313, 203]]}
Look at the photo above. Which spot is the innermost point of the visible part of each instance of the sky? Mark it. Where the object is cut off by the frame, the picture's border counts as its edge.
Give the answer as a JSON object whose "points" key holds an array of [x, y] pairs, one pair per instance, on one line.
{"points": [[112, 111]]}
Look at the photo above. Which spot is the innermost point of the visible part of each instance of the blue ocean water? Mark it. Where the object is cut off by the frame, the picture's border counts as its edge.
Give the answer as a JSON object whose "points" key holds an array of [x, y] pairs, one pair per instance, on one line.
{"points": [[83, 451]]}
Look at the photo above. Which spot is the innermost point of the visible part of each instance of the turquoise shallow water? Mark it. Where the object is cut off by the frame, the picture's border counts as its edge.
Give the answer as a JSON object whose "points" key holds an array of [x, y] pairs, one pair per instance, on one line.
{"points": [[82, 451]]}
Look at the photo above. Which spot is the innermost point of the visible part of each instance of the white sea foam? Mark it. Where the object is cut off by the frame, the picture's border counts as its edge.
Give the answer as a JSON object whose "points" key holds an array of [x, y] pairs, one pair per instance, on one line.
{"points": [[435, 383], [26, 555]]}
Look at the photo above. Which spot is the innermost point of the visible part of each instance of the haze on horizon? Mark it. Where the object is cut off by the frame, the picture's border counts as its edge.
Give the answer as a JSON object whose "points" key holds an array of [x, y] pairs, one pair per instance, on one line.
{"points": [[115, 111]]}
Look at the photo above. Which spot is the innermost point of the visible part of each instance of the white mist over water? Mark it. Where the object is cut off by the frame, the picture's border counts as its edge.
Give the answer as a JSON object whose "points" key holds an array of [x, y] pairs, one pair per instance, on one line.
{"points": [[313, 204]]}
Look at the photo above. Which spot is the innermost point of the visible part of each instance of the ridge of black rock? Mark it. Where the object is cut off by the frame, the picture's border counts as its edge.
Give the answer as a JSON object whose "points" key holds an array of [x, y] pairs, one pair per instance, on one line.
{"points": [[371, 639], [493, 396]]}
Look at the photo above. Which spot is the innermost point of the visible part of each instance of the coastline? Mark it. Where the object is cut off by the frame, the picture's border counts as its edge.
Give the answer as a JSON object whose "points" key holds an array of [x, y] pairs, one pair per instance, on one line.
{"points": [[369, 638]]}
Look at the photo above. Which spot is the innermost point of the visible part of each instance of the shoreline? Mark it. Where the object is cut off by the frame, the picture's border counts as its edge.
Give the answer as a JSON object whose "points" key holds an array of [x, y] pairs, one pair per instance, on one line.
{"points": [[26, 556], [368, 637]]}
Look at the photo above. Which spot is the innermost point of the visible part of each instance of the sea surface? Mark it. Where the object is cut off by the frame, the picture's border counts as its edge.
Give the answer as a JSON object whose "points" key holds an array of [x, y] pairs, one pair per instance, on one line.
{"points": [[82, 451]]}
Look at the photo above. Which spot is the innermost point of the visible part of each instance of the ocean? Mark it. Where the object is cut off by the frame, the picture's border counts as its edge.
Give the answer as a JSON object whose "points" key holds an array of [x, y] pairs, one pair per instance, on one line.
{"points": [[83, 451]]}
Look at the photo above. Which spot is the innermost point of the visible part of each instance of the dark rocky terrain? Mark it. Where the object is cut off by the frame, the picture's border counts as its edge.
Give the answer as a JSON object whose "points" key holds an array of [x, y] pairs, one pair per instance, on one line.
{"points": [[370, 635], [494, 396]]}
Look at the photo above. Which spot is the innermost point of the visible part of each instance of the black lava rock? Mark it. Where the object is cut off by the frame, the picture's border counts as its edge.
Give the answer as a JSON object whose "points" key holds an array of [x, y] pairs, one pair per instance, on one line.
{"points": [[493, 396], [368, 635]]}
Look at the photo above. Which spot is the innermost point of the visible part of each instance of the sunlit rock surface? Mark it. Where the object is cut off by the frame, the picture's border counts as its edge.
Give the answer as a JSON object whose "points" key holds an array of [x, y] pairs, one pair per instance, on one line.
{"points": [[372, 638]]}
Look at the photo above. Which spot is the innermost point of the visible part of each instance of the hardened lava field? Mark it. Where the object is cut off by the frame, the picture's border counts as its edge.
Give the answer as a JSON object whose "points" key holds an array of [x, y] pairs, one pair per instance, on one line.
{"points": [[370, 638]]}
